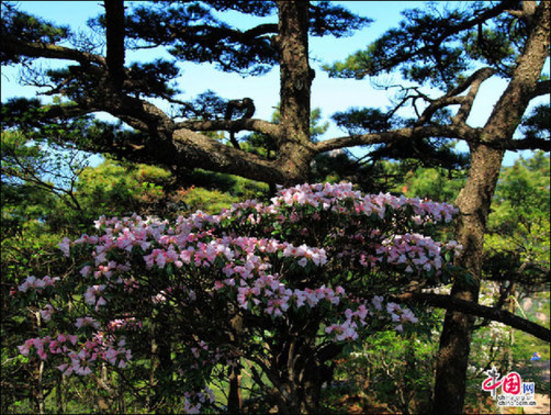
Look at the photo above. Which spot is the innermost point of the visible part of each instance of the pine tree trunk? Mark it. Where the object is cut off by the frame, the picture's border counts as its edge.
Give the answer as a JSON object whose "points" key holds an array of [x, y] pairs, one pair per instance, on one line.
{"points": [[455, 341], [294, 147], [474, 204]]}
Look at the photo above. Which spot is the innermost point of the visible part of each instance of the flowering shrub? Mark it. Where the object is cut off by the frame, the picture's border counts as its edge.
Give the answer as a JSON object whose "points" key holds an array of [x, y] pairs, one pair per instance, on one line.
{"points": [[310, 268]]}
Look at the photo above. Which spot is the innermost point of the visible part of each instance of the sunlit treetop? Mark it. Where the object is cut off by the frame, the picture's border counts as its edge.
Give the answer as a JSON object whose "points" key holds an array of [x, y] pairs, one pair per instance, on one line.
{"points": [[193, 31], [442, 45]]}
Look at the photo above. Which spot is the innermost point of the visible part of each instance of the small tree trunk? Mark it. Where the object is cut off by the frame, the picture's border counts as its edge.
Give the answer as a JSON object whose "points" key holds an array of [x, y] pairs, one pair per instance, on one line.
{"points": [[37, 390], [161, 361], [234, 394], [301, 370], [39, 397], [153, 371], [61, 395], [120, 399], [511, 301]]}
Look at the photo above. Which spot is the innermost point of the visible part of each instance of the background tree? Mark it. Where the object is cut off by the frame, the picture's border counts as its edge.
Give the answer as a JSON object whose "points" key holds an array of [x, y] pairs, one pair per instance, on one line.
{"points": [[518, 225]]}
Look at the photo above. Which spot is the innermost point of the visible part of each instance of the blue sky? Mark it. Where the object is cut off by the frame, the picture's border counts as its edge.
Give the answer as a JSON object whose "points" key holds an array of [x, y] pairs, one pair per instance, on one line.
{"points": [[331, 95]]}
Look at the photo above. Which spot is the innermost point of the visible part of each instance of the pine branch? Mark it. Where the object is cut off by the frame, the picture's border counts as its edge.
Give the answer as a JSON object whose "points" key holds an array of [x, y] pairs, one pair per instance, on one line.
{"points": [[451, 303]]}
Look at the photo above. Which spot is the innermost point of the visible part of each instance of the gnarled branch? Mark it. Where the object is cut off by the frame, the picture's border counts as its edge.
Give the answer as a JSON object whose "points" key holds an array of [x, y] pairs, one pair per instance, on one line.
{"points": [[523, 144], [474, 81], [448, 131], [249, 124], [451, 303], [11, 44]]}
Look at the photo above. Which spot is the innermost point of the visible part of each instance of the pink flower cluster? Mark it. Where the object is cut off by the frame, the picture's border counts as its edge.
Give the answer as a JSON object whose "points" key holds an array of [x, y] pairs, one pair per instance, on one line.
{"points": [[37, 283], [193, 401], [323, 196], [93, 296], [401, 315], [190, 250], [241, 256], [81, 361], [46, 312], [55, 345], [278, 298], [87, 322], [127, 323], [328, 195], [235, 257], [347, 330], [415, 250]]}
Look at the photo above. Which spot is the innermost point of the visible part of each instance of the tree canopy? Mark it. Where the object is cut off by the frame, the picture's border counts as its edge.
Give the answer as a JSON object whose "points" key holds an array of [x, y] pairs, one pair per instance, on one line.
{"points": [[448, 59]]}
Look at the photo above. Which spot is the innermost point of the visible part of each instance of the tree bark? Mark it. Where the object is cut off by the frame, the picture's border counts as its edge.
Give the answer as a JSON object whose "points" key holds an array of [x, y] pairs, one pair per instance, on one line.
{"points": [[114, 26], [299, 368], [301, 376], [474, 205], [453, 355], [295, 151], [235, 404], [234, 392]]}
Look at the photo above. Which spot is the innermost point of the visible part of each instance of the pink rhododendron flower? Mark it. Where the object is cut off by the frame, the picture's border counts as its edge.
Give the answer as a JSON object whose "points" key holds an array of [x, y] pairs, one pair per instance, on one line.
{"points": [[65, 246], [46, 313]]}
